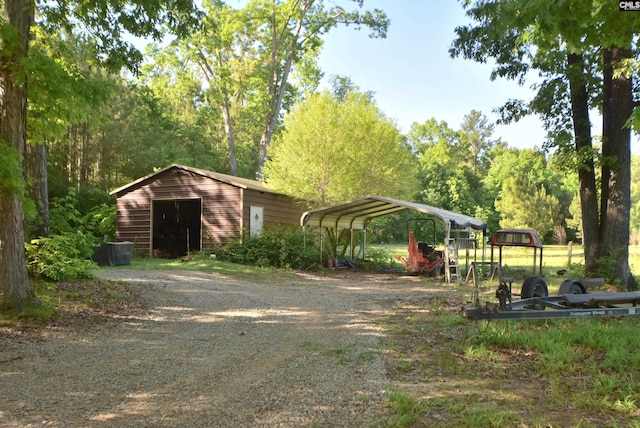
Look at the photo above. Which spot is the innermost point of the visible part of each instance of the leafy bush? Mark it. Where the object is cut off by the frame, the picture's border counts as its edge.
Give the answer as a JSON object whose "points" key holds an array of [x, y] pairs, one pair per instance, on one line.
{"points": [[576, 271], [91, 197], [67, 215], [377, 259], [74, 237], [280, 247], [101, 222], [62, 257], [64, 216], [606, 268]]}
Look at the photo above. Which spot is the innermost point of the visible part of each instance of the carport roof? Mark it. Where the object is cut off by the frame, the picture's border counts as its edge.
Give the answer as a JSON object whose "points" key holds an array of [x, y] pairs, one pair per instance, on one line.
{"points": [[357, 213]]}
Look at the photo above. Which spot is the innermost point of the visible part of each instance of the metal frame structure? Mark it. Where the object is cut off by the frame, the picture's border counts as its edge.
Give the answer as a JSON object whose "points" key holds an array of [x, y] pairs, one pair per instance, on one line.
{"points": [[518, 238], [358, 213]]}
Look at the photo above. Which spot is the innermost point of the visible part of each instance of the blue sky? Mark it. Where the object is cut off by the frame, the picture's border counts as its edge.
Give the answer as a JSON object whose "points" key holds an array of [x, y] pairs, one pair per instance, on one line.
{"points": [[413, 77]]}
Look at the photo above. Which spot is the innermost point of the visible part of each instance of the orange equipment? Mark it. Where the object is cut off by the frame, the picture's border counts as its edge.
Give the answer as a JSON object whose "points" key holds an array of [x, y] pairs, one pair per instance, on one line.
{"points": [[422, 258]]}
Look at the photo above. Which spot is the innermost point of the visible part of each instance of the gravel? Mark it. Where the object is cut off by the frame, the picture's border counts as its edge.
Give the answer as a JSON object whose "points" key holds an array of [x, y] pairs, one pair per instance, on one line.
{"points": [[211, 351]]}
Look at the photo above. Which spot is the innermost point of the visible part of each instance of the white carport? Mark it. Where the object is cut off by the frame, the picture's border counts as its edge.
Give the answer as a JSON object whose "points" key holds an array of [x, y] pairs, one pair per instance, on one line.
{"points": [[358, 213]]}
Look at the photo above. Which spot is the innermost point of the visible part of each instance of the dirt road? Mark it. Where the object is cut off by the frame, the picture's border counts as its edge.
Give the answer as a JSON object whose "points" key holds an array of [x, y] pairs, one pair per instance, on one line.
{"points": [[211, 351]]}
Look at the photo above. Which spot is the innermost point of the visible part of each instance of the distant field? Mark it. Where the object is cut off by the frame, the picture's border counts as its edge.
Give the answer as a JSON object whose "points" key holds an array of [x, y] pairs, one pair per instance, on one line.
{"points": [[519, 261]]}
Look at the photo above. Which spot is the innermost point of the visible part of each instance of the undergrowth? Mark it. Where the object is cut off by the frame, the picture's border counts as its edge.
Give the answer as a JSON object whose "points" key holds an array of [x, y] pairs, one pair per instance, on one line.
{"points": [[578, 372]]}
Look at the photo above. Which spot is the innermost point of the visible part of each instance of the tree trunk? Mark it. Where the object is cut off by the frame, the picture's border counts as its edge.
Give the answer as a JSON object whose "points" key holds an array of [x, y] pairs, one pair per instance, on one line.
{"points": [[231, 141], [84, 158], [39, 190], [616, 166], [222, 95], [278, 84], [273, 114], [586, 168], [13, 119]]}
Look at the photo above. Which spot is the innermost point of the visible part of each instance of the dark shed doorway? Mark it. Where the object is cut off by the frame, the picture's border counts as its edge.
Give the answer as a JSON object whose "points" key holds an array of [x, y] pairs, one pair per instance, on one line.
{"points": [[177, 226]]}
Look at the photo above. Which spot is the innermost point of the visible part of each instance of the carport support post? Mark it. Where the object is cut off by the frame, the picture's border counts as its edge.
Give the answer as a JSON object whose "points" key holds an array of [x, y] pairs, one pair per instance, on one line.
{"points": [[484, 246], [351, 244], [363, 243], [364, 239], [447, 271], [321, 241]]}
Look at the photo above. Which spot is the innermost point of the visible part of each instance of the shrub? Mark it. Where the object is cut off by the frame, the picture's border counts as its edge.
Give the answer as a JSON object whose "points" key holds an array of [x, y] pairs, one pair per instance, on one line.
{"points": [[281, 247], [101, 222], [606, 268], [61, 257], [377, 259], [64, 216], [74, 236], [90, 197]]}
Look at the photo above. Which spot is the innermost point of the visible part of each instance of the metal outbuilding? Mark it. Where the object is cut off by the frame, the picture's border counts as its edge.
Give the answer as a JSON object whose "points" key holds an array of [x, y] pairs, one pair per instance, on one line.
{"points": [[180, 209], [358, 213]]}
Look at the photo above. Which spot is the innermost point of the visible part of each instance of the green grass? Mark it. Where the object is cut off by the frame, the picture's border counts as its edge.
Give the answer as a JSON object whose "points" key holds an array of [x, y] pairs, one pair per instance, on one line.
{"points": [[31, 316], [203, 263], [578, 372], [539, 373]]}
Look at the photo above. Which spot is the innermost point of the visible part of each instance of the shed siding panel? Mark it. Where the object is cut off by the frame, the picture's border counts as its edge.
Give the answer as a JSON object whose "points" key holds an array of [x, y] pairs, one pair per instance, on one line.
{"points": [[278, 209], [133, 221]]}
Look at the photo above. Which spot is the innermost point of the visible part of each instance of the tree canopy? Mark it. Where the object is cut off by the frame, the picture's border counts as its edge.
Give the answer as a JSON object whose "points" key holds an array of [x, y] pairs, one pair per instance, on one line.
{"points": [[105, 23], [331, 151], [83, 111], [583, 52]]}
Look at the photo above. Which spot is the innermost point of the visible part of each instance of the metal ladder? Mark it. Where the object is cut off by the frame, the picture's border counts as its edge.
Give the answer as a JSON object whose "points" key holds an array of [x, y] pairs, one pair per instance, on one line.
{"points": [[453, 270]]}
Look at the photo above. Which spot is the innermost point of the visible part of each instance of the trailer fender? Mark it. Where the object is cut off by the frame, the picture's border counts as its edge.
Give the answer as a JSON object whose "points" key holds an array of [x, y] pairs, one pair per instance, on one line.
{"points": [[534, 286], [571, 287], [592, 282]]}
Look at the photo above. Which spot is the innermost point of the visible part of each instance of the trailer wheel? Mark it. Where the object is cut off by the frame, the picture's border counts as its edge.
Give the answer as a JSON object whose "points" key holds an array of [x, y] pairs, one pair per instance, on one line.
{"points": [[571, 287], [534, 286]]}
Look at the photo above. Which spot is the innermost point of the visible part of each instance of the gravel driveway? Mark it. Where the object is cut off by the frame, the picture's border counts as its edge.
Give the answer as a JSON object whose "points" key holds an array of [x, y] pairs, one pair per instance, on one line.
{"points": [[212, 351]]}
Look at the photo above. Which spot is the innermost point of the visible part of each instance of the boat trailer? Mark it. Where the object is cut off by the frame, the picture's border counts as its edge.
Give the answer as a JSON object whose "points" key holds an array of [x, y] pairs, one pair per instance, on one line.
{"points": [[573, 301]]}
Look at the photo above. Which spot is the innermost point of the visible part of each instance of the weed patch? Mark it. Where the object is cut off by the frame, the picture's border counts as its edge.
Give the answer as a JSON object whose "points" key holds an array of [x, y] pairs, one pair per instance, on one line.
{"points": [[448, 373], [77, 302]]}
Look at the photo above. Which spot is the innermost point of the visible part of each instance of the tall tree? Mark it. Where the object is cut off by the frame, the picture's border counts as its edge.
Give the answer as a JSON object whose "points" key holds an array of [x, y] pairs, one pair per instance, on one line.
{"points": [[331, 151], [446, 169], [441, 173], [582, 51], [107, 22], [522, 204], [476, 133], [615, 201], [635, 198], [527, 170], [292, 27], [246, 60], [14, 29], [63, 91], [221, 54]]}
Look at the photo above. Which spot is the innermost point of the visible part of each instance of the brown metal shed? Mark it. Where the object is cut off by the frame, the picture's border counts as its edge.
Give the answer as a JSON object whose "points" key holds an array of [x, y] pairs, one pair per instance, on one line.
{"points": [[181, 208]]}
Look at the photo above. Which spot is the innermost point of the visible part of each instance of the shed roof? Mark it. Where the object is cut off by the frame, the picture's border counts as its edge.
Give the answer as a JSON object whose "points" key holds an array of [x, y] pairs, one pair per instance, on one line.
{"points": [[243, 183], [357, 213]]}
